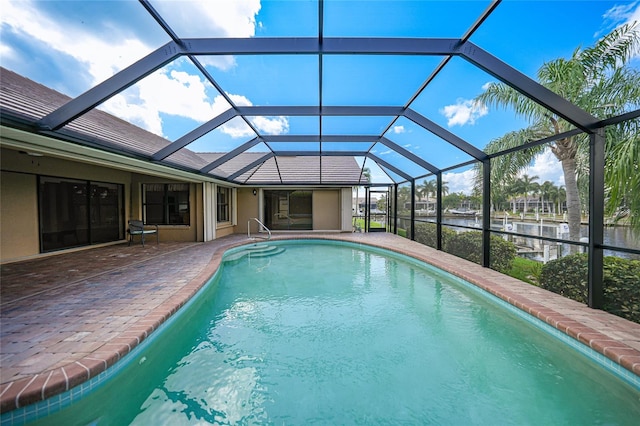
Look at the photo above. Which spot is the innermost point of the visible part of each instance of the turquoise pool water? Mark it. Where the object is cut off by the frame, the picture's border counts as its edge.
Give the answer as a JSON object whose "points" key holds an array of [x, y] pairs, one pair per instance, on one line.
{"points": [[317, 333]]}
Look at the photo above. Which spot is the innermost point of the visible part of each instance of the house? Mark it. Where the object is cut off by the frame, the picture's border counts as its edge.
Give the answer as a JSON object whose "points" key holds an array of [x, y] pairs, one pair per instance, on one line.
{"points": [[77, 186]]}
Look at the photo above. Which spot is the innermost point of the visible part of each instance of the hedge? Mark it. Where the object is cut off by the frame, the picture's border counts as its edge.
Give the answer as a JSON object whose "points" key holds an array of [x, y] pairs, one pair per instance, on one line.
{"points": [[426, 233], [567, 276], [468, 245]]}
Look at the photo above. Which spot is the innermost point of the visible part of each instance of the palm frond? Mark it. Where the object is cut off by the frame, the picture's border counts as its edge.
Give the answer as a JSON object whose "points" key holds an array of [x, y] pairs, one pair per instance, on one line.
{"points": [[506, 167], [622, 170], [500, 95], [612, 50]]}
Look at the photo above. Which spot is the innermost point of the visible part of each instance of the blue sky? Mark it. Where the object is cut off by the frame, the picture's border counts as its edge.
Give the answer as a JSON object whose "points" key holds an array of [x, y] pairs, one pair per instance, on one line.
{"points": [[72, 45]]}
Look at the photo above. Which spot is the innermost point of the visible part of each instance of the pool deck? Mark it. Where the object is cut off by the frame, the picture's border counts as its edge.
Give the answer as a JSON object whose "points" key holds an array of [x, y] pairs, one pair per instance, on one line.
{"points": [[66, 318]]}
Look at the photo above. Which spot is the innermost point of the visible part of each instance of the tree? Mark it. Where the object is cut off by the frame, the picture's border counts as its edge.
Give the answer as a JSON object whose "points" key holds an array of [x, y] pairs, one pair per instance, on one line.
{"points": [[445, 188], [366, 174], [515, 188], [546, 189], [404, 196], [597, 80], [427, 188], [381, 204], [529, 186], [559, 196]]}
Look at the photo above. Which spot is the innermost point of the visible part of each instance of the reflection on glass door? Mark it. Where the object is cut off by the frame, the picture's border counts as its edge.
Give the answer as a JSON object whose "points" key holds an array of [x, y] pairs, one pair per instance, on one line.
{"points": [[75, 213], [288, 210], [106, 206]]}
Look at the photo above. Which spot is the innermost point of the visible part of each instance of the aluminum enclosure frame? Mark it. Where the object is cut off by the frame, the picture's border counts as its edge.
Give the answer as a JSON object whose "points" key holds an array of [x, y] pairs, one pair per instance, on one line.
{"points": [[53, 124]]}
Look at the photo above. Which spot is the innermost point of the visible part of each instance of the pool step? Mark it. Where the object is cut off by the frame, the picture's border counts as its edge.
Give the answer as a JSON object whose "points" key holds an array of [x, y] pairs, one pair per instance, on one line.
{"points": [[255, 251]]}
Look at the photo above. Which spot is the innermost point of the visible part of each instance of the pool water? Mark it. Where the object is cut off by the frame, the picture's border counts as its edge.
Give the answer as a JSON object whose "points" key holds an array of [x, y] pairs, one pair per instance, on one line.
{"points": [[318, 333]]}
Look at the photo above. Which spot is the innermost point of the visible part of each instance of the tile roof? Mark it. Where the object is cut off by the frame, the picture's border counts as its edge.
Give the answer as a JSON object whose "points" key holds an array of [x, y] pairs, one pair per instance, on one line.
{"points": [[25, 101]]}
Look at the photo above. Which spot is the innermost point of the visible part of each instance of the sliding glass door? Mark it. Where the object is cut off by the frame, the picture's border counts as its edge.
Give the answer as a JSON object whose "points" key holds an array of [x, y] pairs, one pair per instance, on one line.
{"points": [[288, 210], [76, 212]]}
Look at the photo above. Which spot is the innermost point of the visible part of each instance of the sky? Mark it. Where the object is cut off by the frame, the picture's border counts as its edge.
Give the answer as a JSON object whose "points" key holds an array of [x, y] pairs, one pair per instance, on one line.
{"points": [[71, 46]]}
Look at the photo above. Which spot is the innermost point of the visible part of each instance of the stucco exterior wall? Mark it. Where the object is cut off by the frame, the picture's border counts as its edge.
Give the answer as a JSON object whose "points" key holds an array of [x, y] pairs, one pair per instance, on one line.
{"points": [[19, 232], [248, 208], [326, 210], [19, 227], [18, 216]]}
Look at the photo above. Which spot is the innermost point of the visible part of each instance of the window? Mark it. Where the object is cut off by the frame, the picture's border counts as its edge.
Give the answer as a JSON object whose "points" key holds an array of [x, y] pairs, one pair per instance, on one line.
{"points": [[223, 203], [166, 203]]}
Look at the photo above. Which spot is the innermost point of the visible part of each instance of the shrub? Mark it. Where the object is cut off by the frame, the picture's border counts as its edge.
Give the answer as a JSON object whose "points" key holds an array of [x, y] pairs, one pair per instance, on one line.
{"points": [[568, 277], [468, 245], [426, 233], [622, 287]]}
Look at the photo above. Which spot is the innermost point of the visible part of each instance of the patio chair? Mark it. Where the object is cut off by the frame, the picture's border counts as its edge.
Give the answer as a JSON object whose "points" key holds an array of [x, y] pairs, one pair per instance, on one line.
{"points": [[137, 227]]}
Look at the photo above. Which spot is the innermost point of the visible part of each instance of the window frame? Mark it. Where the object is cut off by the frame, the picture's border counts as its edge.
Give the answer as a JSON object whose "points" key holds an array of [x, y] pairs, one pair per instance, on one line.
{"points": [[171, 206], [226, 205]]}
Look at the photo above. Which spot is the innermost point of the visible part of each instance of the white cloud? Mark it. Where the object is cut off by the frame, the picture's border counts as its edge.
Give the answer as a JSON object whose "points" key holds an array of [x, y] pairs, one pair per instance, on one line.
{"points": [[620, 14], [547, 167], [169, 92], [398, 129], [459, 182], [166, 91], [102, 56], [387, 152], [181, 94], [269, 125], [465, 111], [6, 51], [219, 18], [486, 85], [139, 114]]}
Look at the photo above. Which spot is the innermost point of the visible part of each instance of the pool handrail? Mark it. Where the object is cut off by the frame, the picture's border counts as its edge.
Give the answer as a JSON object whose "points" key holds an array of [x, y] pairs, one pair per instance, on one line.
{"points": [[261, 224]]}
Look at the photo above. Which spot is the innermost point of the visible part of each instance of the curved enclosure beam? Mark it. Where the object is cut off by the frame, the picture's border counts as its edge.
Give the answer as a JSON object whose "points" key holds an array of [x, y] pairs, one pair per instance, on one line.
{"points": [[317, 111], [318, 138], [328, 46]]}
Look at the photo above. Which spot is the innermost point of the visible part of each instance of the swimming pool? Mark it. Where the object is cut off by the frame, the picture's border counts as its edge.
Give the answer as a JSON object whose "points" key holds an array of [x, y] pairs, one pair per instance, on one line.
{"points": [[303, 332]]}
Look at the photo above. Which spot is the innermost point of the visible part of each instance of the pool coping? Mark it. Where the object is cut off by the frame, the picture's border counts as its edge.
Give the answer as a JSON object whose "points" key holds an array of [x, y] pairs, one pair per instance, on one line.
{"points": [[535, 301]]}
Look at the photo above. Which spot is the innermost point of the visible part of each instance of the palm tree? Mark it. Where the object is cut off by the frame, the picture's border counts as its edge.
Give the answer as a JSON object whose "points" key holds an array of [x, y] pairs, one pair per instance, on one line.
{"points": [[445, 188], [404, 196], [426, 189], [560, 197], [529, 186], [366, 174], [590, 79], [514, 188], [546, 189]]}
